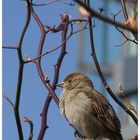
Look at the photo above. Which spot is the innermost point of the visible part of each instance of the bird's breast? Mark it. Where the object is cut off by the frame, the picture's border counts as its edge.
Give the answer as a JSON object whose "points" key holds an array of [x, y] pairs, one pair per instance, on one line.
{"points": [[75, 106], [79, 113]]}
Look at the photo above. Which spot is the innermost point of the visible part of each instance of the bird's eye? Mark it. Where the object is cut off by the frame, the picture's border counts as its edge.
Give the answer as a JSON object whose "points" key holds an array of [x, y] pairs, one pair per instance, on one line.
{"points": [[69, 81]]}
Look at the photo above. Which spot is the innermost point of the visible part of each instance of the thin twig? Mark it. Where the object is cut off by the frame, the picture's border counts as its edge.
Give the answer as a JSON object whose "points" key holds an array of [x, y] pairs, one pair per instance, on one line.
{"points": [[50, 51], [93, 54], [54, 49], [52, 2], [128, 39], [6, 98], [26, 119], [46, 4], [9, 47], [120, 45], [122, 32], [106, 19], [78, 20]]}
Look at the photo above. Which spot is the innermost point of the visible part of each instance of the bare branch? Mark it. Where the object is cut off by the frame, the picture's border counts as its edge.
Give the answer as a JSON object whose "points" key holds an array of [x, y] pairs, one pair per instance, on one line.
{"points": [[128, 39], [46, 4], [10, 47], [125, 13], [42, 39], [9, 101], [93, 54], [120, 45], [64, 41], [52, 2], [20, 72], [65, 22], [78, 20], [122, 32], [106, 19]]}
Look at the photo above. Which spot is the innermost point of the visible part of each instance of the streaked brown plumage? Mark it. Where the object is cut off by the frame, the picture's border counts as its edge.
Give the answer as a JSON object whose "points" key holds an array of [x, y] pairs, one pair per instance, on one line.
{"points": [[88, 110]]}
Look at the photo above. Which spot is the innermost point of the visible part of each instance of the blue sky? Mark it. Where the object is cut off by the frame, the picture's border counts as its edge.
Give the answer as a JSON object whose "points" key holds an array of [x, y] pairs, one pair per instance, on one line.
{"points": [[33, 93]]}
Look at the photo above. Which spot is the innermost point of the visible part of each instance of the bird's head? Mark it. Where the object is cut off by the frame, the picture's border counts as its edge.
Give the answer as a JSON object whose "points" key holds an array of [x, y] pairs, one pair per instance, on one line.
{"points": [[76, 81]]}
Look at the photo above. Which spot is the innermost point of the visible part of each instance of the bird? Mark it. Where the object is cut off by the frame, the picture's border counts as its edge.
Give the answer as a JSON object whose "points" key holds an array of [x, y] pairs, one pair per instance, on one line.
{"points": [[87, 110]]}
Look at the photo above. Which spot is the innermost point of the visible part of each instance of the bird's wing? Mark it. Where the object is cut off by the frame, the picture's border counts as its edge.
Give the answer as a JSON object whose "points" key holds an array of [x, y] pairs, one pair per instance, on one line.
{"points": [[104, 111]]}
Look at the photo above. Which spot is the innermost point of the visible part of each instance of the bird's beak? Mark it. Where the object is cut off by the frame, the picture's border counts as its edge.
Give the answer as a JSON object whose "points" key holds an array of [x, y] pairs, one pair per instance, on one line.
{"points": [[60, 84]]}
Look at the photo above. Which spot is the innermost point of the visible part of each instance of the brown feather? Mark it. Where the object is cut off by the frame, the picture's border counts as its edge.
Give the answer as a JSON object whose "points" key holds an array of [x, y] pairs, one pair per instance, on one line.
{"points": [[104, 111]]}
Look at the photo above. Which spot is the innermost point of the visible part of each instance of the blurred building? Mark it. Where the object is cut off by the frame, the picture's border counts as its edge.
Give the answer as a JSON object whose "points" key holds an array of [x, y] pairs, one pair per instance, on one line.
{"points": [[118, 62]]}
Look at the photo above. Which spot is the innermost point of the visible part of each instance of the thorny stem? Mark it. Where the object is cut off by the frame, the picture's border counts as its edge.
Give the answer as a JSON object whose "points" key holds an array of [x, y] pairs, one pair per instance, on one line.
{"points": [[93, 54], [44, 118], [42, 39], [46, 82], [38, 64], [56, 75]]}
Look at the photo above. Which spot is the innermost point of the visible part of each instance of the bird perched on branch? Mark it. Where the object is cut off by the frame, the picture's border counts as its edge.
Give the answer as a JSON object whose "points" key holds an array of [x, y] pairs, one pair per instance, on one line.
{"points": [[87, 110]]}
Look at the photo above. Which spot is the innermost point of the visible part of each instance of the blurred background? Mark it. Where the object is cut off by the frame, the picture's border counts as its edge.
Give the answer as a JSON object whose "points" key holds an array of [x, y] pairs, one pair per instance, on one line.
{"points": [[118, 63]]}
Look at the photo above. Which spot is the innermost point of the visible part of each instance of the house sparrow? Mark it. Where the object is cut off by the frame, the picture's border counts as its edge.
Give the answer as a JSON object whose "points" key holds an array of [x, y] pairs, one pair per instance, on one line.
{"points": [[87, 110]]}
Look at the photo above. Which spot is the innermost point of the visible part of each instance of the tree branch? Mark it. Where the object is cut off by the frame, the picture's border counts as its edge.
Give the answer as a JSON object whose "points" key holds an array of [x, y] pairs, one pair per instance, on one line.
{"points": [[64, 41], [45, 4], [20, 73], [127, 17], [106, 19], [38, 65], [65, 23], [10, 47], [6, 98], [93, 54], [122, 32]]}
